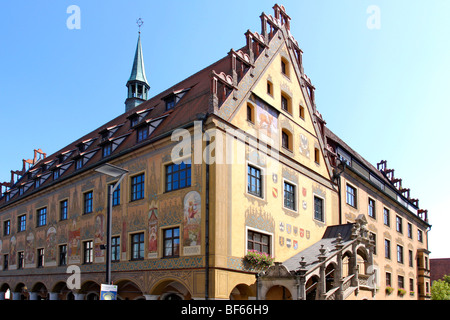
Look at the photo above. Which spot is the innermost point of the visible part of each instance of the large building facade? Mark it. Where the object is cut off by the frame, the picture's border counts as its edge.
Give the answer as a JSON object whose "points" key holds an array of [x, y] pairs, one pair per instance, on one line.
{"points": [[228, 169]]}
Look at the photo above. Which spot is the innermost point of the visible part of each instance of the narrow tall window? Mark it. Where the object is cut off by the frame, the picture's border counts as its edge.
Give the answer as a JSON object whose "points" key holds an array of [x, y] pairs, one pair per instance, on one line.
{"points": [[371, 209], [115, 248], [387, 249], [88, 252], [254, 181], [116, 196], [318, 209], [63, 255], [20, 262], [40, 257], [289, 196], [88, 202], [63, 209], [386, 217], [137, 246], [399, 224], [6, 227], [41, 217], [171, 242], [22, 223], [351, 196], [137, 187], [399, 254]]}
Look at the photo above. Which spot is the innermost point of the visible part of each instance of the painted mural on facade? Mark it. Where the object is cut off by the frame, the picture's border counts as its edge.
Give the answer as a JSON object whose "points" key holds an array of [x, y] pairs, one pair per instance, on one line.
{"points": [[192, 223]]}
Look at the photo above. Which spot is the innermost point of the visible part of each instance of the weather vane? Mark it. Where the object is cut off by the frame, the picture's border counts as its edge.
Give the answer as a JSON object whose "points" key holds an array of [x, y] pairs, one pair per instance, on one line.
{"points": [[139, 22]]}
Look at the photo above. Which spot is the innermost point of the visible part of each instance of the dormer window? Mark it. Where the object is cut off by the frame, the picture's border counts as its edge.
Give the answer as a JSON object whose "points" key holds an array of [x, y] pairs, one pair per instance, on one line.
{"points": [[142, 133], [173, 98], [78, 163], [107, 150], [170, 103]]}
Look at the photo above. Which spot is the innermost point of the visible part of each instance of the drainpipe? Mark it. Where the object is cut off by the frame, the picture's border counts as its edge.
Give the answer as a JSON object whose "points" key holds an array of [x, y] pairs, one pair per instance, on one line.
{"points": [[203, 117], [337, 175]]}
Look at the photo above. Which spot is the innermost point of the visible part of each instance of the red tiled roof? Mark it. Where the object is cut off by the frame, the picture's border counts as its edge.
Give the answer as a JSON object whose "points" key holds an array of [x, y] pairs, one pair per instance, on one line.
{"points": [[439, 268], [195, 101]]}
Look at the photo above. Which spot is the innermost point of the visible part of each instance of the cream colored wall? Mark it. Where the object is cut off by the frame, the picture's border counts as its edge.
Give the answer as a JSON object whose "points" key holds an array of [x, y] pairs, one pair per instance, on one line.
{"points": [[382, 232], [298, 168]]}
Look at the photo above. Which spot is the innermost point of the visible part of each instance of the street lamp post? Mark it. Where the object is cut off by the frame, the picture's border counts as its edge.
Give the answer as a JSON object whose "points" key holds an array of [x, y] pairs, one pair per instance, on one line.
{"points": [[116, 172]]}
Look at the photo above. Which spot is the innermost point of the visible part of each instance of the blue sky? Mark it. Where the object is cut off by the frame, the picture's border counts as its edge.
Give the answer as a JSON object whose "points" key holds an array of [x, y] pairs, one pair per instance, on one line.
{"points": [[383, 91]]}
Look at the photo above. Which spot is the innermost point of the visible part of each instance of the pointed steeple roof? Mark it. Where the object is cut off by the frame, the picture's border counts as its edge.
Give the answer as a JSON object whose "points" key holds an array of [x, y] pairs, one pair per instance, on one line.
{"points": [[138, 70]]}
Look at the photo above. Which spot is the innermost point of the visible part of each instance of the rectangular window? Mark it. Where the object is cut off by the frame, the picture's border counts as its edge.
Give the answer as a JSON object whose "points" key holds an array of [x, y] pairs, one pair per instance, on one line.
{"points": [[41, 217], [137, 246], [63, 255], [388, 279], [386, 217], [411, 285], [56, 174], [284, 140], [258, 241], [170, 103], [289, 196], [411, 258], [40, 257], [374, 237], [351, 196], [318, 209], [6, 227], [178, 176], [419, 236], [254, 181], [116, 196], [107, 150], [387, 249], [78, 163], [172, 242], [371, 208], [302, 112], [22, 223], [88, 202], [401, 282], [399, 224], [63, 209], [115, 248], [409, 230], [399, 254], [20, 260], [284, 103], [5, 262], [137, 187], [142, 133], [88, 252]]}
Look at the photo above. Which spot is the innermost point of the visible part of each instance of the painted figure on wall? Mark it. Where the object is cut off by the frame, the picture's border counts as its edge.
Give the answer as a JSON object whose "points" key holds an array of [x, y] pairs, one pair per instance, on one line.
{"points": [[50, 251], [153, 230], [74, 244], [99, 238], [192, 220], [29, 249]]}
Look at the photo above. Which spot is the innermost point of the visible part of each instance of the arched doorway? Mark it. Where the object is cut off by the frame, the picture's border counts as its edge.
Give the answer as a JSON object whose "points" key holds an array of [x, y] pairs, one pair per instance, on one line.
{"points": [[5, 290], [330, 276], [128, 290], [278, 292], [91, 290], [20, 292], [171, 290], [39, 291], [241, 292], [311, 288]]}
